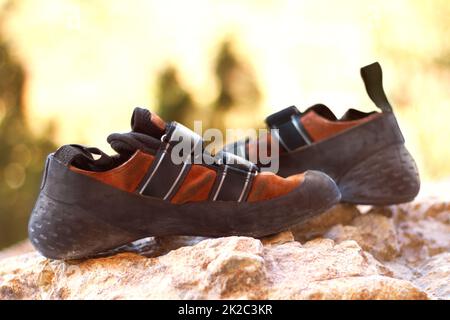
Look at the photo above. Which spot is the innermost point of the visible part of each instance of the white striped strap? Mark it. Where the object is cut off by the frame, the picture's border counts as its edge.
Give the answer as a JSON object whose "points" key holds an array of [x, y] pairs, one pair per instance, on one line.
{"points": [[172, 162], [234, 178]]}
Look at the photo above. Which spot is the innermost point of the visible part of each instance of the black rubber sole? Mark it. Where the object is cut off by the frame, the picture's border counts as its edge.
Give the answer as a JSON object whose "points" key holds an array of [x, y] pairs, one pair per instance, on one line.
{"points": [[387, 177], [369, 163], [77, 217]]}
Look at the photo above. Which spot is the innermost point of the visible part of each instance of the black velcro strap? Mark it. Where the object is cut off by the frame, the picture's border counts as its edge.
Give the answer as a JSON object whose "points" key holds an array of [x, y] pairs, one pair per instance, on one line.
{"points": [[291, 134], [234, 178], [372, 76], [168, 170]]}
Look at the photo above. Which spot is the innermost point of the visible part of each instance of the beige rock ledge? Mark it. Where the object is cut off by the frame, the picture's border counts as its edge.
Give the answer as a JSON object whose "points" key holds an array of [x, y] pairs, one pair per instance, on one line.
{"points": [[348, 252], [223, 268]]}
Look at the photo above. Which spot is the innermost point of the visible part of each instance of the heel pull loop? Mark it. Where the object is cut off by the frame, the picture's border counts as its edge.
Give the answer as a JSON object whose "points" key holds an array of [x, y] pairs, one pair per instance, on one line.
{"points": [[82, 156], [372, 76]]}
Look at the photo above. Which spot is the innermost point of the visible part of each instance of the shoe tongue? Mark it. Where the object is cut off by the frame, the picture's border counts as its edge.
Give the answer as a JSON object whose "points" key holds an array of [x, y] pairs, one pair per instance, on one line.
{"points": [[143, 121], [147, 130]]}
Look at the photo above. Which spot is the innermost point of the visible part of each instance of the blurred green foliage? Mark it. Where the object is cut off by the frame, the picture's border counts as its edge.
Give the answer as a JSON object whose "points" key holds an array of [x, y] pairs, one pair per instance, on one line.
{"points": [[21, 154], [174, 102], [237, 90]]}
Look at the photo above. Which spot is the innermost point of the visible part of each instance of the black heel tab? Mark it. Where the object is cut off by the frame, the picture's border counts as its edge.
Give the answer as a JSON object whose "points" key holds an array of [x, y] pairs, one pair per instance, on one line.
{"points": [[372, 76], [81, 157], [71, 152]]}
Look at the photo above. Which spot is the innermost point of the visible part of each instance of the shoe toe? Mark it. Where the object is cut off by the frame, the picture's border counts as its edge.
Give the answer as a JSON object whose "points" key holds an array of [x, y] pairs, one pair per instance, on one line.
{"points": [[321, 189]]}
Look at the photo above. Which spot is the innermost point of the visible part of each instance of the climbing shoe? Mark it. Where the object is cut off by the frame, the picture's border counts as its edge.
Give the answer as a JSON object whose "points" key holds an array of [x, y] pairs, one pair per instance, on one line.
{"points": [[91, 202], [363, 152]]}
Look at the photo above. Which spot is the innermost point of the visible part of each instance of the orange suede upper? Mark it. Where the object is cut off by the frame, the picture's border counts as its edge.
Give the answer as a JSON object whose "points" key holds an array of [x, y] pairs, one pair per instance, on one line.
{"points": [[197, 184], [267, 185], [320, 128], [125, 177]]}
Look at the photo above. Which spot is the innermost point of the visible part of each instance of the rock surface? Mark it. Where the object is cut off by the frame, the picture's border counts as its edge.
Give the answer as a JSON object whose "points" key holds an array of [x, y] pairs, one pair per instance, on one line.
{"points": [[224, 268], [374, 233], [17, 249], [397, 252], [434, 276]]}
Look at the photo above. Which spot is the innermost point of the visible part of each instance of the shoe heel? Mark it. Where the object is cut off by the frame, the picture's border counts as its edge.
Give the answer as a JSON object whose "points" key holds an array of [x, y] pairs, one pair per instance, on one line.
{"points": [[61, 227], [387, 177]]}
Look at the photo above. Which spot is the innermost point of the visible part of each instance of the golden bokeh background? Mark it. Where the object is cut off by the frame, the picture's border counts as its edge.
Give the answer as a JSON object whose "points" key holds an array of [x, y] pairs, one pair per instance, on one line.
{"points": [[88, 63]]}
